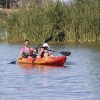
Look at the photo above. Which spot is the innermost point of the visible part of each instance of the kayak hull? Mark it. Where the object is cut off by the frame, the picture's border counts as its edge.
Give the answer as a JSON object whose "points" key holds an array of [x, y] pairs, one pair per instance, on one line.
{"points": [[59, 60]]}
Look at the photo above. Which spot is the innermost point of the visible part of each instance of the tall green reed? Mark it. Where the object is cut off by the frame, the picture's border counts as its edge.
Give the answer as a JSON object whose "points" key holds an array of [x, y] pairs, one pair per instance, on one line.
{"points": [[80, 22]]}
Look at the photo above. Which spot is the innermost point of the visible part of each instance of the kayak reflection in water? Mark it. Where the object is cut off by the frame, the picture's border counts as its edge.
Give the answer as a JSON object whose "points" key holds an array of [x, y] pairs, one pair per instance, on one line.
{"points": [[27, 51], [40, 67]]}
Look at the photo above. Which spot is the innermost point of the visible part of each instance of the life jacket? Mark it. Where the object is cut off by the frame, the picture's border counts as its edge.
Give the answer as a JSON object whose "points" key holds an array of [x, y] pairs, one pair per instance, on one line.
{"points": [[26, 52], [44, 52]]}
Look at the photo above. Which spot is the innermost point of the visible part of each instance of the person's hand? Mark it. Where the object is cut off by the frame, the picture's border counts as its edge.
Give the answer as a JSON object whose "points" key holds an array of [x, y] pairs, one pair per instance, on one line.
{"points": [[19, 58], [53, 51], [42, 49]]}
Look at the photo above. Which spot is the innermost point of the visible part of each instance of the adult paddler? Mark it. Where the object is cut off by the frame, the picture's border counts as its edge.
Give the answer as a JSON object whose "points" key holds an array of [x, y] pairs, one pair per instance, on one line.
{"points": [[27, 51]]}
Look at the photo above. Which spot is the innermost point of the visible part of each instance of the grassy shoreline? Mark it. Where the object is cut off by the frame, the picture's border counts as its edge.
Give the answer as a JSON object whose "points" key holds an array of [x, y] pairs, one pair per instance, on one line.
{"points": [[77, 23]]}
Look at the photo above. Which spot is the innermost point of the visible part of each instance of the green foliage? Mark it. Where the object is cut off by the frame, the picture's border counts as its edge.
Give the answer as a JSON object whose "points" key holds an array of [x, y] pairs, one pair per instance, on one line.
{"points": [[2, 25], [79, 22]]}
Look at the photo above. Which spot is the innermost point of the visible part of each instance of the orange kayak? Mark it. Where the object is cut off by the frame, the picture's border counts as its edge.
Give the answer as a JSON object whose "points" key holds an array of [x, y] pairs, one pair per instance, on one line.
{"points": [[59, 60]]}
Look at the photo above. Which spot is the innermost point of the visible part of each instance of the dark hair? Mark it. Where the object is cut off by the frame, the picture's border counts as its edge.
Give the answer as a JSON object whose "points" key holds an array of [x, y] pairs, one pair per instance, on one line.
{"points": [[26, 40]]}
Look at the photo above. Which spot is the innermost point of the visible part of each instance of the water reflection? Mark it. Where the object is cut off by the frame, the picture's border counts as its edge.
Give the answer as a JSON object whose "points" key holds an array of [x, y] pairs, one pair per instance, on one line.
{"points": [[40, 68], [79, 79]]}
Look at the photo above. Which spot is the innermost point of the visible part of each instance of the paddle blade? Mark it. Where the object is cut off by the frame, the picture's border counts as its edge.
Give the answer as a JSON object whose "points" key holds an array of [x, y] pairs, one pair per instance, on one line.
{"points": [[13, 62], [66, 53], [47, 40]]}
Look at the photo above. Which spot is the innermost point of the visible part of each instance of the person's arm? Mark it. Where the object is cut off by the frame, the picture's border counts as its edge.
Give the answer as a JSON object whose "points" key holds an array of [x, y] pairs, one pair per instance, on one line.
{"points": [[41, 52], [52, 52], [35, 50], [20, 55]]}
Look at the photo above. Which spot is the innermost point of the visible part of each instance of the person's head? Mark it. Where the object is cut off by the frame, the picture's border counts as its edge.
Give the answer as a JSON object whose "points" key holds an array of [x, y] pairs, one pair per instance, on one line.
{"points": [[26, 42], [45, 45]]}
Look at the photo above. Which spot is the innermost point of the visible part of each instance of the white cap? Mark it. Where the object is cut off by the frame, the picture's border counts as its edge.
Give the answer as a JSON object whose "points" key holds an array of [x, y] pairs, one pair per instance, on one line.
{"points": [[45, 45]]}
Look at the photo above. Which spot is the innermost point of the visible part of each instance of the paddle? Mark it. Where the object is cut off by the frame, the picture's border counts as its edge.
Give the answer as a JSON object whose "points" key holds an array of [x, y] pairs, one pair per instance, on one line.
{"points": [[47, 40], [66, 53], [13, 62]]}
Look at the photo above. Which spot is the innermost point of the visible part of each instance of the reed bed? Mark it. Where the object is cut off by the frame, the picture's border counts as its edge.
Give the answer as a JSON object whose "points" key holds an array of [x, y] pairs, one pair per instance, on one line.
{"points": [[80, 22]]}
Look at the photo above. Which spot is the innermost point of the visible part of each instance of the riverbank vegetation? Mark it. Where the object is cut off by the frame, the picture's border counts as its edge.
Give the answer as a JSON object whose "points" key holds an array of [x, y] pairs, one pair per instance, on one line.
{"points": [[77, 22]]}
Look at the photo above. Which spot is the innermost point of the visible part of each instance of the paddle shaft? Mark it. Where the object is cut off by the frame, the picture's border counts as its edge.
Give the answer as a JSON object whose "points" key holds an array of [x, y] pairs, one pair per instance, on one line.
{"points": [[47, 40], [66, 53]]}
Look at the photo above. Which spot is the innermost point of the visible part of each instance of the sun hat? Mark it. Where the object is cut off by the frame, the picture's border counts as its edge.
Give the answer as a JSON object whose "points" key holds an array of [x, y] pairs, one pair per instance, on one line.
{"points": [[45, 45]]}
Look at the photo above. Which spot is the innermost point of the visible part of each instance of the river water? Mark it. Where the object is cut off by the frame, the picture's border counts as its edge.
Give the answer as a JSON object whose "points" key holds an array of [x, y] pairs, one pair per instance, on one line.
{"points": [[78, 79]]}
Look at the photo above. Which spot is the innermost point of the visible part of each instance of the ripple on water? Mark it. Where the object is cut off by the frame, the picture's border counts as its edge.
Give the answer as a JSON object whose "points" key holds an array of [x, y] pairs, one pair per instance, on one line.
{"points": [[79, 79]]}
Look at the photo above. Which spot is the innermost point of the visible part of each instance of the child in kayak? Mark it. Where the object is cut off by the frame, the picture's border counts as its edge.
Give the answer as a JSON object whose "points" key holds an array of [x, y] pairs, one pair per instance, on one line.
{"points": [[44, 51], [27, 51]]}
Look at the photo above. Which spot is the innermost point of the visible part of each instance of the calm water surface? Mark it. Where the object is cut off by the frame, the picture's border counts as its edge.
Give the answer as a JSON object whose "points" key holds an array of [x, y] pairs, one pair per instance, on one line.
{"points": [[78, 79]]}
